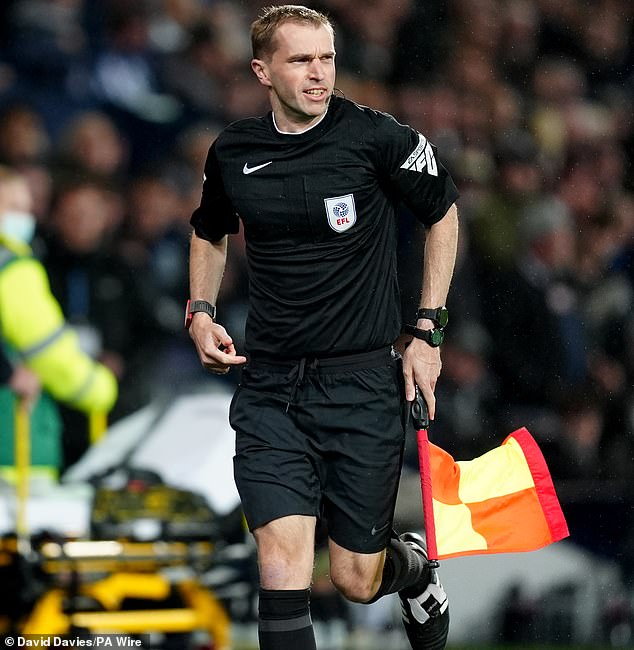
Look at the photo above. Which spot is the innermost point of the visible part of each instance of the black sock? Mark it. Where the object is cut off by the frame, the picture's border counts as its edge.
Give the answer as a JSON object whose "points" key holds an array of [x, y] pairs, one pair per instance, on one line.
{"points": [[404, 570], [284, 620]]}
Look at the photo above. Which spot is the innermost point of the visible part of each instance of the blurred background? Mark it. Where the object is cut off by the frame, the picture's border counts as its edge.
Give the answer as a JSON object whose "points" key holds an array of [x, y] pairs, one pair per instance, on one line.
{"points": [[107, 110]]}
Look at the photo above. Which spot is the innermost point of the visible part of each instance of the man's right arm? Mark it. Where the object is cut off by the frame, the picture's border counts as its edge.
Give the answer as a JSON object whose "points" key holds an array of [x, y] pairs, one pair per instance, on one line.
{"points": [[206, 267]]}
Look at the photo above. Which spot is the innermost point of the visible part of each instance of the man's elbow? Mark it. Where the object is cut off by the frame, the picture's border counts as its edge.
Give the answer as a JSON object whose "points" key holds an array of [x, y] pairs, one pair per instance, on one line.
{"points": [[448, 225], [452, 216]]}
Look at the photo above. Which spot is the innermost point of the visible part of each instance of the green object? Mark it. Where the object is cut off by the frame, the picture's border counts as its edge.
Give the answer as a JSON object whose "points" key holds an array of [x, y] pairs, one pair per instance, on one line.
{"points": [[432, 337], [436, 338], [440, 315], [46, 431]]}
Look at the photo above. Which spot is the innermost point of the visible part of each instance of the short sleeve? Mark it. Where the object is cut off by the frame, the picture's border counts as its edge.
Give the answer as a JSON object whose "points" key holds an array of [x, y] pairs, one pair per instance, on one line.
{"points": [[215, 217], [408, 163]]}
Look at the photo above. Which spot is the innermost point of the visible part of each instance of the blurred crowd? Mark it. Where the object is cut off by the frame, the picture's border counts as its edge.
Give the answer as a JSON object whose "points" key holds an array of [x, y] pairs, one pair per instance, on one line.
{"points": [[108, 109]]}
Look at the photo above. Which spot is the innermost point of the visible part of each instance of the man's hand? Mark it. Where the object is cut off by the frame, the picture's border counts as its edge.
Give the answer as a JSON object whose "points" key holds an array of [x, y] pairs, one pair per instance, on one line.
{"points": [[25, 384], [209, 338], [421, 367]]}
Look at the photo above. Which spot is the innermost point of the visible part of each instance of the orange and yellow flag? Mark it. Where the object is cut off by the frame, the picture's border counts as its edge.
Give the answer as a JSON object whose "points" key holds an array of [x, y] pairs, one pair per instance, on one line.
{"points": [[501, 502]]}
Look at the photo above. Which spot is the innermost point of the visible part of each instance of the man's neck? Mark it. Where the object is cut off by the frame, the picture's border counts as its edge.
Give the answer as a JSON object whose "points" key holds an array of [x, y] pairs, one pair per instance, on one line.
{"points": [[287, 126]]}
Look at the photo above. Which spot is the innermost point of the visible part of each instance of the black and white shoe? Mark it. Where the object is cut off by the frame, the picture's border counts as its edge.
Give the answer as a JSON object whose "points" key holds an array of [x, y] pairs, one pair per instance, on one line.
{"points": [[426, 615]]}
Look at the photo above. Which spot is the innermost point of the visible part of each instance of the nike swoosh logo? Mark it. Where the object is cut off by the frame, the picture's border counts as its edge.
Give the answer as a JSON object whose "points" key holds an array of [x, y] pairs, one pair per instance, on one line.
{"points": [[375, 530], [249, 170]]}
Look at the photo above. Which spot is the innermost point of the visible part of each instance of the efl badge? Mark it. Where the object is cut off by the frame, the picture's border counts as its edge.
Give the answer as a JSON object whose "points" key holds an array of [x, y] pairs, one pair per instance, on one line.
{"points": [[341, 212]]}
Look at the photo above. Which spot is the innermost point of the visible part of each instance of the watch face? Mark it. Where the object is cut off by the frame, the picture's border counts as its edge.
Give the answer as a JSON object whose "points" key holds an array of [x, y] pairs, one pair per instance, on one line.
{"points": [[437, 337], [442, 317]]}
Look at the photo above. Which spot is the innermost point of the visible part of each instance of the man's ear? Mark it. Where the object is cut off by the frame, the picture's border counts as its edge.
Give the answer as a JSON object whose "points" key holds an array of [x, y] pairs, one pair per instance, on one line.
{"points": [[259, 67]]}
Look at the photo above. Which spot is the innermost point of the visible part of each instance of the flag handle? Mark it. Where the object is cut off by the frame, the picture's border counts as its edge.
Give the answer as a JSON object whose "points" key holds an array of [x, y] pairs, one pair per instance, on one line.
{"points": [[420, 419]]}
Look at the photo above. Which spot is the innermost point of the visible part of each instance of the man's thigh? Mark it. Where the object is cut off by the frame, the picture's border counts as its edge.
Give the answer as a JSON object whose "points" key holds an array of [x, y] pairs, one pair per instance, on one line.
{"points": [[273, 466], [359, 432], [337, 451]]}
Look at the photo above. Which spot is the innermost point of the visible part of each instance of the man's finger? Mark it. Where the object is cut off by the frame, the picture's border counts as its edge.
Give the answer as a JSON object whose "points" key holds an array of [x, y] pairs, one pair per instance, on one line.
{"points": [[225, 340], [220, 358], [216, 370], [410, 387], [228, 357], [430, 400]]}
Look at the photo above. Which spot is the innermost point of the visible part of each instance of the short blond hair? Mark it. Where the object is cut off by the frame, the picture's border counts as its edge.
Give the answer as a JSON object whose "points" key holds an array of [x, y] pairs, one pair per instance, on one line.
{"points": [[264, 27]]}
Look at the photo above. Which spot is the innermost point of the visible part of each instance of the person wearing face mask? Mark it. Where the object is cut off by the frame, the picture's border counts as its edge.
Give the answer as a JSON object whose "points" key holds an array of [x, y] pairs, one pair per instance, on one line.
{"points": [[17, 377], [38, 347]]}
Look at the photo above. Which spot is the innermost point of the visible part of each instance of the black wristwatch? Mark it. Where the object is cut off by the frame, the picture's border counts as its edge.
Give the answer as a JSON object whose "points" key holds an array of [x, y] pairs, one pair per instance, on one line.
{"points": [[439, 316], [198, 305], [432, 337]]}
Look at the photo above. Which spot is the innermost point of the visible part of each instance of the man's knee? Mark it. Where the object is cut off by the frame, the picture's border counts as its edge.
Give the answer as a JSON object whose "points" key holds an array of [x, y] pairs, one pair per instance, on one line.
{"points": [[356, 587], [285, 554], [356, 575], [279, 570]]}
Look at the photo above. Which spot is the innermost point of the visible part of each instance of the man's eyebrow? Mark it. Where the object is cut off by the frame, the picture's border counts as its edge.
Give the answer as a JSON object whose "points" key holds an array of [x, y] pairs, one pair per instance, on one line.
{"points": [[306, 55]]}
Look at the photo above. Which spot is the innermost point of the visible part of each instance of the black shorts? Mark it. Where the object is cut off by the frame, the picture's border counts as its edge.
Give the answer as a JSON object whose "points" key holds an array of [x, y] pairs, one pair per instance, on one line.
{"points": [[323, 439]]}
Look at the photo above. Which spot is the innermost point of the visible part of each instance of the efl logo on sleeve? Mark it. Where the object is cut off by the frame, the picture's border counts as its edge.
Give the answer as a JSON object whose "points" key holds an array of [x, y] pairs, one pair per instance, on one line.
{"points": [[341, 212]]}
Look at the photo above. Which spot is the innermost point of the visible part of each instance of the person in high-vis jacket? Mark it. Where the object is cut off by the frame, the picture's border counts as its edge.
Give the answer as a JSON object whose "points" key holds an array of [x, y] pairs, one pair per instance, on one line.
{"points": [[35, 336]]}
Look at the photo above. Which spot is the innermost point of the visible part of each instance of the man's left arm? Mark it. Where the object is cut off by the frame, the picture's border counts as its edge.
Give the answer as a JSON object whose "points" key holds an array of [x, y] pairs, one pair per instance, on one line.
{"points": [[421, 361]]}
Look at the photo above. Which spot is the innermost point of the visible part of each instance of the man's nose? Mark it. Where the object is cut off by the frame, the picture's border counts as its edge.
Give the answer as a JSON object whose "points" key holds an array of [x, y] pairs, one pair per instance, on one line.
{"points": [[316, 69]]}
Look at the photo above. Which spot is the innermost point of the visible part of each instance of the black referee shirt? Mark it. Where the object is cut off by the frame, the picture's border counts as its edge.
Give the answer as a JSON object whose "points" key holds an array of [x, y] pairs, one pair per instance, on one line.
{"points": [[318, 211]]}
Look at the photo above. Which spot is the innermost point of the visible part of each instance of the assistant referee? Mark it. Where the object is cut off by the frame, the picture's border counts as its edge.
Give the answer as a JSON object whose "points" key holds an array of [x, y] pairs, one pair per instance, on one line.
{"points": [[318, 413]]}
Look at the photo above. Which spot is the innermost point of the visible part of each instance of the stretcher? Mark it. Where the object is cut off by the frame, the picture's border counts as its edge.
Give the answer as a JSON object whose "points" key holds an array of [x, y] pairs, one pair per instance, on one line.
{"points": [[65, 586]]}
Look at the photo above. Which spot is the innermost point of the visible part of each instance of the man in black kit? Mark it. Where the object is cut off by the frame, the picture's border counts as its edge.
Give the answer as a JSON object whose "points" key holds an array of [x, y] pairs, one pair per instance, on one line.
{"points": [[318, 413]]}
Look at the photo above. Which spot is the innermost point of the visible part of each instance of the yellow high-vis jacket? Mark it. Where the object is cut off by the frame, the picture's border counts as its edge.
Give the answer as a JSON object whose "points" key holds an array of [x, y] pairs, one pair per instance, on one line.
{"points": [[32, 325]]}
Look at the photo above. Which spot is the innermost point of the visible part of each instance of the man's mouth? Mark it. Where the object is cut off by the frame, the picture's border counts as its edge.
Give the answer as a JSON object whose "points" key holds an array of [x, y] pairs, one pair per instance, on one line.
{"points": [[315, 92]]}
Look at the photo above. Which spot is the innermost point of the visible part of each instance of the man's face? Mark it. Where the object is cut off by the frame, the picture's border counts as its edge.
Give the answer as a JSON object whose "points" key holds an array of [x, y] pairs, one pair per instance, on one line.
{"points": [[300, 74], [15, 196], [82, 218]]}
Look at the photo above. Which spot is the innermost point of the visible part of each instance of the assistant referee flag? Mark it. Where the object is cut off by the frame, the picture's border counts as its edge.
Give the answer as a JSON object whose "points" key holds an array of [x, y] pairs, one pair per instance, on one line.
{"points": [[501, 502]]}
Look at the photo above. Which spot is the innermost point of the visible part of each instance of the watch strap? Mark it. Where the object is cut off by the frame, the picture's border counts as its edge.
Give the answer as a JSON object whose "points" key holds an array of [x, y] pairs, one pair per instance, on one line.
{"points": [[202, 305], [432, 337], [194, 306]]}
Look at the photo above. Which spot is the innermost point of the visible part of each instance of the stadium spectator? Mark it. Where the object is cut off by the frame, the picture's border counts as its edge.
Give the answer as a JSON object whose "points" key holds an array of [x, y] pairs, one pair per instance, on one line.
{"points": [[23, 136], [92, 144], [533, 312], [97, 291], [495, 223]]}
